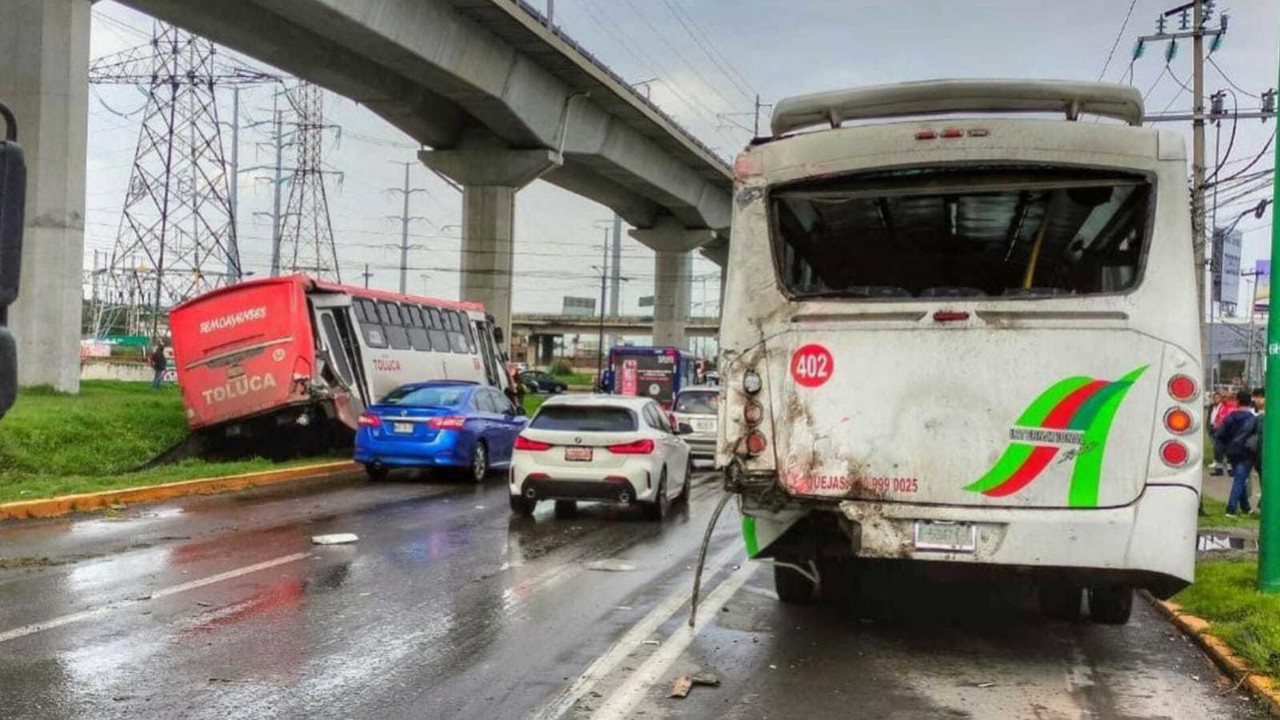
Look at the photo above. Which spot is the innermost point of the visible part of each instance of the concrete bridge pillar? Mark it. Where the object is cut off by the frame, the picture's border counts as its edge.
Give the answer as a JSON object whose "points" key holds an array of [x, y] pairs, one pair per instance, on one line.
{"points": [[44, 79], [672, 243], [490, 175]]}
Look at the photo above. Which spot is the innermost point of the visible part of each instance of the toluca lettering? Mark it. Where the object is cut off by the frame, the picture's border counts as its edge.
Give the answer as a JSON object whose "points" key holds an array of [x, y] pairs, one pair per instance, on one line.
{"points": [[386, 365], [238, 387], [234, 319]]}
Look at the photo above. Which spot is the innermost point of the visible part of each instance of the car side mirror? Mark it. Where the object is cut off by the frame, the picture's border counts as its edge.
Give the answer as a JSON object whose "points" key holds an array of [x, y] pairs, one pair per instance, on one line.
{"points": [[684, 429]]}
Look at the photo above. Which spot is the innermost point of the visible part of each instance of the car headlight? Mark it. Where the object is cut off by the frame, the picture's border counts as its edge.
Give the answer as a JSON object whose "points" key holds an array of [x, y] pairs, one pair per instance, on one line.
{"points": [[751, 382]]}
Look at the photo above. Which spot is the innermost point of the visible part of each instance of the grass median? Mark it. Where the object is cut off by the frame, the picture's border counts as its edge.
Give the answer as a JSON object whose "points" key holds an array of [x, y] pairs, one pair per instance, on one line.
{"points": [[54, 444], [1225, 594]]}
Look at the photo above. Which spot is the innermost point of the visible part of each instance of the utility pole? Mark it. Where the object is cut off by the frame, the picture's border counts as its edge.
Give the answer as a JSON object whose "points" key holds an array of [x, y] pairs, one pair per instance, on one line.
{"points": [[405, 219], [604, 277], [366, 275], [1193, 16], [235, 273], [275, 207], [1269, 538]]}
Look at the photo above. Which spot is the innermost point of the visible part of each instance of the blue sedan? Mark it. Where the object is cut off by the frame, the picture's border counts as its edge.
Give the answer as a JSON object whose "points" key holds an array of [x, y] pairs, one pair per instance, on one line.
{"points": [[442, 424]]}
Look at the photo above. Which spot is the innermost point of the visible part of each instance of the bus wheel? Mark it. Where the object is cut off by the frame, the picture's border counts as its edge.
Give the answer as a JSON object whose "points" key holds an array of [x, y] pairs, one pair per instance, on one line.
{"points": [[792, 587], [375, 473], [1111, 605], [522, 506], [1060, 601]]}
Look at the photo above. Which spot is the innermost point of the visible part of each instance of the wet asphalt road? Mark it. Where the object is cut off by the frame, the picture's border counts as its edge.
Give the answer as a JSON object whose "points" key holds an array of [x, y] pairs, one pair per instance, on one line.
{"points": [[221, 607]]}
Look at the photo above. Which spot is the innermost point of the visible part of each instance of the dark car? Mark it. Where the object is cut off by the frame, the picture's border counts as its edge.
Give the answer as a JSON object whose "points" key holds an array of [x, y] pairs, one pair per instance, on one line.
{"points": [[543, 382], [444, 424]]}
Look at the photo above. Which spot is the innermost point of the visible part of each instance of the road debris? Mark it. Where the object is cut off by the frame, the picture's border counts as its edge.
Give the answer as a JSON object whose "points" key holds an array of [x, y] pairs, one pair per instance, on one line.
{"points": [[650, 642], [610, 566], [986, 684], [685, 683], [334, 539]]}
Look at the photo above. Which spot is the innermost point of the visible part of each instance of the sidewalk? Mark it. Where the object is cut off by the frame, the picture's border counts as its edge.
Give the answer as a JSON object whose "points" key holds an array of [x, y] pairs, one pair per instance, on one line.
{"points": [[1219, 487]]}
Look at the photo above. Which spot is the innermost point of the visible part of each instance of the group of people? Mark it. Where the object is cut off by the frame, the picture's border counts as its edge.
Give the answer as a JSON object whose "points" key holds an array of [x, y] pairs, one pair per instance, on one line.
{"points": [[1235, 426]]}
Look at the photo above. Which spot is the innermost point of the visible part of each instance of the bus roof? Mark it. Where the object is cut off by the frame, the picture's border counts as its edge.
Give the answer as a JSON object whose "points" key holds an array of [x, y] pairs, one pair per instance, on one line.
{"points": [[648, 350], [308, 283], [936, 97]]}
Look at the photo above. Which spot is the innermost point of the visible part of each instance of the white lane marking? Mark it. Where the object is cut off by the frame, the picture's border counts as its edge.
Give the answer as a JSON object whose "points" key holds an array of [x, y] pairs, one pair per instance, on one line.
{"points": [[622, 701], [163, 592], [631, 640]]}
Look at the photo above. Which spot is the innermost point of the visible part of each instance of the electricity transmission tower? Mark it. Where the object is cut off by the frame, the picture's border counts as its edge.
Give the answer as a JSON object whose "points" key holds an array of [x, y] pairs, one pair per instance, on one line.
{"points": [[176, 237], [305, 240]]}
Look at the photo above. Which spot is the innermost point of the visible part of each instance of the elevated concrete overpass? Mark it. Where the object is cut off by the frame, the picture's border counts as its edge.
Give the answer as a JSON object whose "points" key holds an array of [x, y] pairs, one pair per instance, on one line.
{"points": [[540, 331], [498, 96]]}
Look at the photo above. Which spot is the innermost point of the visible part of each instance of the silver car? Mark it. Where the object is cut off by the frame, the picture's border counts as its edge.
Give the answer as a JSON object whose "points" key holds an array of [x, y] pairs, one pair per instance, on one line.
{"points": [[697, 407]]}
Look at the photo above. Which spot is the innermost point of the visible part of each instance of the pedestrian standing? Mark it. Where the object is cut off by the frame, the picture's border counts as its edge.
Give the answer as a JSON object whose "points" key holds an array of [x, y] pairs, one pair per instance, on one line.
{"points": [[1259, 407], [158, 364], [1218, 411], [1234, 434]]}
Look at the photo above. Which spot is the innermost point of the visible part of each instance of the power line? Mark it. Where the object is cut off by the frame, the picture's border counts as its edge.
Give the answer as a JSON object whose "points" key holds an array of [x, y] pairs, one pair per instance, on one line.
{"points": [[1116, 43], [1231, 82], [731, 74]]}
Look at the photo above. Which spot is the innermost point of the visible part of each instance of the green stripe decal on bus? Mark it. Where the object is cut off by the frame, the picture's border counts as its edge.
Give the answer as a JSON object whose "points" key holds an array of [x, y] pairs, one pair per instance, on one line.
{"points": [[749, 535], [1080, 410]]}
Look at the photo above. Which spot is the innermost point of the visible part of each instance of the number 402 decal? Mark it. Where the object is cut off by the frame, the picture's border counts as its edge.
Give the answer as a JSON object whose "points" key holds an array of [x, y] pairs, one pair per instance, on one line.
{"points": [[811, 365]]}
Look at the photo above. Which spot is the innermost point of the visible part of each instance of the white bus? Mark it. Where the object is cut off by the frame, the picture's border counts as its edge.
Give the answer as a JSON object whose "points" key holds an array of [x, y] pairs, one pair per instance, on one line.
{"points": [[966, 343]]}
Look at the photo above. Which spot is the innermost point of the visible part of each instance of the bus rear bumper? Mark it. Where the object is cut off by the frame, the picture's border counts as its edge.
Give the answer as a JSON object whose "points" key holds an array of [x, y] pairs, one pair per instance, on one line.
{"points": [[1149, 543]]}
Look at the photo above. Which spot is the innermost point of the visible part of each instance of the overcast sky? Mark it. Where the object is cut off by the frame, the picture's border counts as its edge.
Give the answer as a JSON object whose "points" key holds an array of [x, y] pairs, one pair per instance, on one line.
{"points": [[709, 58]]}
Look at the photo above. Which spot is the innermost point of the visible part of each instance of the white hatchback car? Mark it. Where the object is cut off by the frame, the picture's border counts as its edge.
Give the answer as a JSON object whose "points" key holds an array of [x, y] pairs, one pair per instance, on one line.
{"points": [[599, 447]]}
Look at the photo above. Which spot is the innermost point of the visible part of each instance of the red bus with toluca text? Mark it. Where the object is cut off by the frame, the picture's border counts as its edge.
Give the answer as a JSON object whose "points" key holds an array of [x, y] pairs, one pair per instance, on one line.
{"points": [[287, 356]]}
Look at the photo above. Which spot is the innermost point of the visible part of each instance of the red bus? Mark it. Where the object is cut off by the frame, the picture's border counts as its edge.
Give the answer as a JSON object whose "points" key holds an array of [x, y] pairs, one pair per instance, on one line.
{"points": [[305, 356]]}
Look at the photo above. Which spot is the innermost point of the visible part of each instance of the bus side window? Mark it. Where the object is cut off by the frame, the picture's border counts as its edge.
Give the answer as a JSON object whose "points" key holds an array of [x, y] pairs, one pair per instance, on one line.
{"points": [[456, 339], [439, 338], [468, 331], [397, 336], [417, 330], [370, 328]]}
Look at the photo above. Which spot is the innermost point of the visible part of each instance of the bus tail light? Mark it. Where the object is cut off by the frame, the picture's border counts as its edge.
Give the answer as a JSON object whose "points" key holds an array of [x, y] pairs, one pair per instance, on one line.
{"points": [[753, 413], [1178, 421], [639, 447], [1183, 388], [1174, 453], [447, 422], [926, 135], [524, 443], [369, 421], [952, 132], [755, 442]]}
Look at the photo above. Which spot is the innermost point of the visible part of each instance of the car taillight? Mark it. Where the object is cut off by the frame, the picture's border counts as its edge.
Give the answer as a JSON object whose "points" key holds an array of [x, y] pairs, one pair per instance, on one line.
{"points": [[370, 421], [448, 422], [1183, 388], [1178, 421], [1174, 453], [639, 447], [753, 413], [756, 442], [524, 443]]}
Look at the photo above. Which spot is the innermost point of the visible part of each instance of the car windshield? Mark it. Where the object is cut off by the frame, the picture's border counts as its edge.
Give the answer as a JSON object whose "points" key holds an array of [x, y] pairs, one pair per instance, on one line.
{"points": [[702, 402], [426, 396], [584, 418]]}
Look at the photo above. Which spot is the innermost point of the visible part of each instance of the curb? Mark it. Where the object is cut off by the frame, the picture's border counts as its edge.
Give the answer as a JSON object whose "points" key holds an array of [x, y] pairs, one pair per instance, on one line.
{"points": [[1260, 686], [54, 507]]}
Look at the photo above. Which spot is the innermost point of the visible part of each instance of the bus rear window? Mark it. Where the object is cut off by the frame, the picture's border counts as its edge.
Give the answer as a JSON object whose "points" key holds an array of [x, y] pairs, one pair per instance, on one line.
{"points": [[968, 231]]}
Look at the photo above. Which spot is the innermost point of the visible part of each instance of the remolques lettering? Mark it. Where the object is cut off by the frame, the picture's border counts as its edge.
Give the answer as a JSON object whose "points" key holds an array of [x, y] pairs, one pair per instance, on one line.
{"points": [[234, 319], [238, 387]]}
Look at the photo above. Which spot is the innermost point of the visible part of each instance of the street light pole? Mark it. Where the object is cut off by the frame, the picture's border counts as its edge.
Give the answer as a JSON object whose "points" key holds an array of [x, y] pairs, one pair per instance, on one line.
{"points": [[1269, 538], [604, 280]]}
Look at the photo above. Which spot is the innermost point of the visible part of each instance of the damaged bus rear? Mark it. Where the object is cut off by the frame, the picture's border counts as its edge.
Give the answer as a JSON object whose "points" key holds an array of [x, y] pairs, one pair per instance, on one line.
{"points": [[965, 340]]}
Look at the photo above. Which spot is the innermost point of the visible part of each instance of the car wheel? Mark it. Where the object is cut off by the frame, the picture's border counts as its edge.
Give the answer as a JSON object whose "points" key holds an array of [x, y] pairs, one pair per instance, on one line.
{"points": [[657, 509], [376, 474], [479, 469], [522, 506], [566, 508], [1060, 601], [688, 481], [792, 587], [1111, 605]]}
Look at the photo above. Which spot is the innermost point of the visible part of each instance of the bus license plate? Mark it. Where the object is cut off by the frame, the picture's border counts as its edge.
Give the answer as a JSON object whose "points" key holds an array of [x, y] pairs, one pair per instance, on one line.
{"points": [[578, 454], [946, 536], [402, 428]]}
